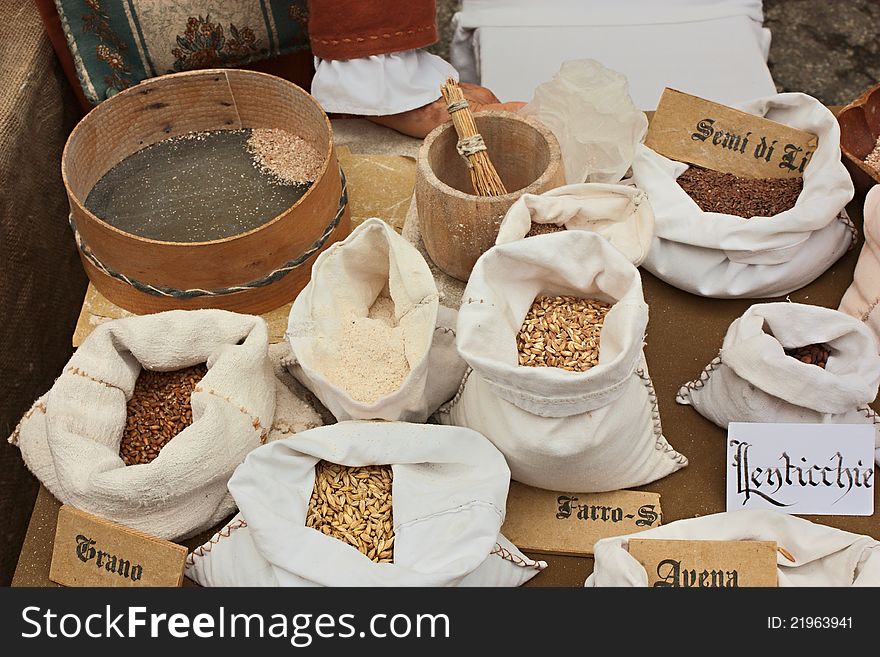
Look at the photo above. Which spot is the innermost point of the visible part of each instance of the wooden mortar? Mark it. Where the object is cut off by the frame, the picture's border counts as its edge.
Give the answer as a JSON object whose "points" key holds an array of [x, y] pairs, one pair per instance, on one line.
{"points": [[173, 105], [458, 226]]}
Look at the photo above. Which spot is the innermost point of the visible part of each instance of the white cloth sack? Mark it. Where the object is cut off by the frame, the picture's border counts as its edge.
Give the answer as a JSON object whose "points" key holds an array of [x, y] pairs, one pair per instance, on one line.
{"points": [[823, 556], [619, 213], [590, 431], [753, 380], [449, 496], [588, 108], [347, 278], [70, 437], [862, 298], [725, 256]]}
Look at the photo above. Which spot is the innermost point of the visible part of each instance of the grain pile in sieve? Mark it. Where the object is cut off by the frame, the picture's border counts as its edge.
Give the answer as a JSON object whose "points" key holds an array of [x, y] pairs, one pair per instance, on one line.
{"points": [[369, 361], [286, 157], [159, 409], [353, 504], [563, 332]]}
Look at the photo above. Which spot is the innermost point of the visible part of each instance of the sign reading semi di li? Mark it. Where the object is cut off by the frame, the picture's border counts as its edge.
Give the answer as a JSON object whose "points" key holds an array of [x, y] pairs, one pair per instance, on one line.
{"points": [[571, 523], [706, 564], [697, 131], [91, 551], [816, 469]]}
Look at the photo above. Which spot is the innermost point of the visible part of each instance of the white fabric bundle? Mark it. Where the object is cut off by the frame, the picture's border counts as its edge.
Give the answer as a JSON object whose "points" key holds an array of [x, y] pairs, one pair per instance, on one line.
{"points": [[619, 213], [862, 298], [346, 280], [720, 255], [588, 108], [823, 556], [753, 380], [449, 495], [587, 431], [70, 438]]}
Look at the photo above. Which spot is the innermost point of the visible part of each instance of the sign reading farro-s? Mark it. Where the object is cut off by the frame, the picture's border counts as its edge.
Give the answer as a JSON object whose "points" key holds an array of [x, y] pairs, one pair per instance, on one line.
{"points": [[91, 551]]}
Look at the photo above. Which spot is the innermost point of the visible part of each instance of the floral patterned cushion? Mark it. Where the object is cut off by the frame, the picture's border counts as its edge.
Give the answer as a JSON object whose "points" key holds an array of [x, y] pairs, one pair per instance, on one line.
{"points": [[118, 43]]}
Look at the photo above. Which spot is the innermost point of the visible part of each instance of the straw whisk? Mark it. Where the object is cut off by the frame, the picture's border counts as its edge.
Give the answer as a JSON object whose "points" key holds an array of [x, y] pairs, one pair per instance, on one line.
{"points": [[470, 145]]}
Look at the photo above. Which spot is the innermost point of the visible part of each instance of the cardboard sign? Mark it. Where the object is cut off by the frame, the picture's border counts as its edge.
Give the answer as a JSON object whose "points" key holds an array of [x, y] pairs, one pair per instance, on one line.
{"points": [[697, 131], [706, 564], [817, 469], [571, 523], [91, 551]]}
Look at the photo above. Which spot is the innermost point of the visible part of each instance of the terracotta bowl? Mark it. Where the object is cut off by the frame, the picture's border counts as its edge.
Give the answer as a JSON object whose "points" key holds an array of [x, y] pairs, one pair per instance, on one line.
{"points": [[859, 129]]}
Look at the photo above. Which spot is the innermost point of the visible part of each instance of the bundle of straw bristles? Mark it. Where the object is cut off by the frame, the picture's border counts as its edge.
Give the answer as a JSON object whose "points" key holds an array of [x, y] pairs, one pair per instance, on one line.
{"points": [[484, 177]]}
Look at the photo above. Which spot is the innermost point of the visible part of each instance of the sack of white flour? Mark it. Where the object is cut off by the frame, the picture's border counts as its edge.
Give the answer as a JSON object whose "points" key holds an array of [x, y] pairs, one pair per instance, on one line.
{"points": [[619, 213], [72, 436], [367, 334], [589, 109], [566, 398], [723, 255], [320, 510], [810, 554], [790, 362], [862, 298]]}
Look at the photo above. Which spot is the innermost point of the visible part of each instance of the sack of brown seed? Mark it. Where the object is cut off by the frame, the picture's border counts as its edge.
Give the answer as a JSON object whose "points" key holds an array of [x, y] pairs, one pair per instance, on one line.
{"points": [[790, 362], [619, 213], [367, 334], [721, 254], [320, 510], [808, 554], [138, 431], [557, 381], [862, 298]]}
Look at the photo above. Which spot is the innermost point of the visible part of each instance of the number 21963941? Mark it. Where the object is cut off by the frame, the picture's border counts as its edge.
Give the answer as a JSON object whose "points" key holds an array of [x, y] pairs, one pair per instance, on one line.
{"points": [[809, 623]]}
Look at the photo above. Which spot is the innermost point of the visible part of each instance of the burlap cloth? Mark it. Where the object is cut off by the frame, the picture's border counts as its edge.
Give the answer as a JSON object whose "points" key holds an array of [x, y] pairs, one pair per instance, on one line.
{"points": [[41, 280]]}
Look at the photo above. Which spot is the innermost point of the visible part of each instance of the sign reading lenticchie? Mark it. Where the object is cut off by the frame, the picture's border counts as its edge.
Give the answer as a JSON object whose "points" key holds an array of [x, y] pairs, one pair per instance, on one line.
{"points": [[817, 469], [697, 131], [91, 551], [706, 564], [571, 523]]}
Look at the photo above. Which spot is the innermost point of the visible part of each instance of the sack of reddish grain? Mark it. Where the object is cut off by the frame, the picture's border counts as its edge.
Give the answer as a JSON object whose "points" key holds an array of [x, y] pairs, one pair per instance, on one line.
{"points": [[745, 238], [320, 510], [367, 335], [808, 554], [619, 213], [557, 381], [790, 362], [863, 296], [152, 415]]}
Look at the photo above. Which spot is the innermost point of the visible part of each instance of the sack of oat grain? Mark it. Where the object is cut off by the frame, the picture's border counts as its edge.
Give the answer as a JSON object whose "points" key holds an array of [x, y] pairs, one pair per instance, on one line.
{"points": [[619, 213], [862, 298], [592, 427], [78, 437], [722, 255], [306, 521], [810, 554], [790, 362], [367, 335]]}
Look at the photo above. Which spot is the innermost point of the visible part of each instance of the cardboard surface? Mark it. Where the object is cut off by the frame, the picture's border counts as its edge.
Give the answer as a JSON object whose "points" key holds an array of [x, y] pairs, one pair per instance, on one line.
{"points": [[557, 522], [698, 131], [91, 551], [706, 564]]}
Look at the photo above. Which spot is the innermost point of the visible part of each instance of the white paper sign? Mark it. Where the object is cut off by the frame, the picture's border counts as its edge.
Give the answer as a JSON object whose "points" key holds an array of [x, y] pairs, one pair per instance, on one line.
{"points": [[815, 469]]}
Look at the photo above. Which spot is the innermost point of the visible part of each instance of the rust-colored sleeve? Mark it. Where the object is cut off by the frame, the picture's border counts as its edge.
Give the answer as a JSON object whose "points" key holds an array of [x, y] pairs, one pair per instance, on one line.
{"points": [[348, 29]]}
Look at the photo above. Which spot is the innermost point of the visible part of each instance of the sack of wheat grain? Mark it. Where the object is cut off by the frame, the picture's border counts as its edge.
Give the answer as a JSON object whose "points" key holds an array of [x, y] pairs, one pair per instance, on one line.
{"points": [[367, 334], [106, 442], [552, 329], [320, 510], [790, 362]]}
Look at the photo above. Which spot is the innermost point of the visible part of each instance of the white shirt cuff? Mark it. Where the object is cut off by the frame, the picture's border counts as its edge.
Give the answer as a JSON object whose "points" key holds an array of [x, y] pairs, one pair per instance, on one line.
{"points": [[380, 84]]}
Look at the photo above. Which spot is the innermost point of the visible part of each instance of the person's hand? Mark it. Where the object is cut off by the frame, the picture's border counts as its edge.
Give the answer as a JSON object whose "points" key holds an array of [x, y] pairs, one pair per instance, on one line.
{"points": [[420, 121]]}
